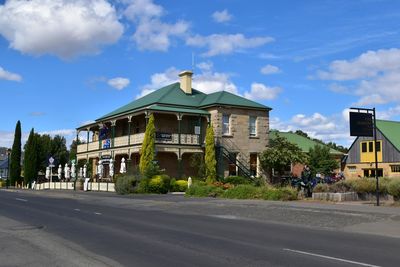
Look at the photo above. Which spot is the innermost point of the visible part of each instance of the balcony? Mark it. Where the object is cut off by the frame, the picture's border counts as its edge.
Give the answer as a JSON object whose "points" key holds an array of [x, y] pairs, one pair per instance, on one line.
{"points": [[137, 139]]}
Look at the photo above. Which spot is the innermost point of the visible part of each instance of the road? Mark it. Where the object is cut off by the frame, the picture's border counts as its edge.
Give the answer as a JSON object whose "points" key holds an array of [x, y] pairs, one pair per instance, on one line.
{"points": [[105, 230]]}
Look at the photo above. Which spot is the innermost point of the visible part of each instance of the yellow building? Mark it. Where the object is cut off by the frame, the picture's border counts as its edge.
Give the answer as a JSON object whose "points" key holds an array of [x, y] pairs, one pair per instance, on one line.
{"points": [[360, 161]]}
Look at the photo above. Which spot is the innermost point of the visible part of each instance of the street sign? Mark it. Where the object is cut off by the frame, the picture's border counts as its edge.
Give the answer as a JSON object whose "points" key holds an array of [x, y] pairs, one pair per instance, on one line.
{"points": [[361, 124], [51, 160]]}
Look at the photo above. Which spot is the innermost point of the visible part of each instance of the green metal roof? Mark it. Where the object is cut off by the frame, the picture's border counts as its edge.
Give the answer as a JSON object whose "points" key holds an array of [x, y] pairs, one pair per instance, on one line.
{"points": [[304, 143], [226, 98], [391, 130], [179, 110], [172, 95]]}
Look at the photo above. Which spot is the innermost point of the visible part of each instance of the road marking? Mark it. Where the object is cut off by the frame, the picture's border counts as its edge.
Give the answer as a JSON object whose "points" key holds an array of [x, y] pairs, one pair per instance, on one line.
{"points": [[97, 213], [77, 210], [21, 199], [330, 258]]}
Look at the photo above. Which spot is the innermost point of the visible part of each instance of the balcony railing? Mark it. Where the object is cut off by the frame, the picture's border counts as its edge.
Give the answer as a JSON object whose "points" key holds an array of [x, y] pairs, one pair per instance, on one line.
{"points": [[137, 139]]}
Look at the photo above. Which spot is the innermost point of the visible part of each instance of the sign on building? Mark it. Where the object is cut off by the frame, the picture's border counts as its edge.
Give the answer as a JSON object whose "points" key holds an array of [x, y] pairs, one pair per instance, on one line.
{"points": [[163, 136], [361, 124], [106, 143]]}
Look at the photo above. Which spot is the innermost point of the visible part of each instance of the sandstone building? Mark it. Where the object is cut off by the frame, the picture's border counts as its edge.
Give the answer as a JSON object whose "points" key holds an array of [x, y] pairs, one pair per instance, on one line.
{"points": [[181, 113]]}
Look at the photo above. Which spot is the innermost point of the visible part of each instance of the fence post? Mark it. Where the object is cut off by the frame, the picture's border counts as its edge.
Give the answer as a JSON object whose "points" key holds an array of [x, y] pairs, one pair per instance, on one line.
{"points": [[107, 185]]}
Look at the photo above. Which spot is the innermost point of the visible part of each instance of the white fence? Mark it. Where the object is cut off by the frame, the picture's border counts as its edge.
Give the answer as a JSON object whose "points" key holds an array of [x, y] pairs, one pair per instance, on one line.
{"points": [[92, 186]]}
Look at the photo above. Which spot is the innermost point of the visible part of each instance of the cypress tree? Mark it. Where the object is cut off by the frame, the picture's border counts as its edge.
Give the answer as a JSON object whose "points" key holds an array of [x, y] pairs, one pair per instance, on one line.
{"points": [[15, 161], [147, 154], [209, 158], [31, 158]]}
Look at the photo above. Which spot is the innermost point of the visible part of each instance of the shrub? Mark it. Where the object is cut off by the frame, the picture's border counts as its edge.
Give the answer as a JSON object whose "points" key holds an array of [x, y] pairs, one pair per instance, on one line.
{"points": [[364, 185], [394, 188], [341, 187], [236, 180], [125, 185], [321, 188], [242, 192], [179, 186], [159, 184], [143, 186], [204, 191], [283, 193]]}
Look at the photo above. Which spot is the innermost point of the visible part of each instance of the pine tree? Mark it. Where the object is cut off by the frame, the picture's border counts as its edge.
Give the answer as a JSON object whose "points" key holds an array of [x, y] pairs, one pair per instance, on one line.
{"points": [[15, 161], [209, 158], [31, 158], [147, 154]]}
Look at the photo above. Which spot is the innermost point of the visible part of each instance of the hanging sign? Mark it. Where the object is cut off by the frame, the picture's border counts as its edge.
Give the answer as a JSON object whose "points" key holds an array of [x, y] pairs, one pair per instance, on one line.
{"points": [[361, 124], [106, 143], [163, 136]]}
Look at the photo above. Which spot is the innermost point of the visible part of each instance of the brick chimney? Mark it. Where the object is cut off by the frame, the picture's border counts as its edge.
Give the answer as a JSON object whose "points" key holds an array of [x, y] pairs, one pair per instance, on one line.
{"points": [[186, 81]]}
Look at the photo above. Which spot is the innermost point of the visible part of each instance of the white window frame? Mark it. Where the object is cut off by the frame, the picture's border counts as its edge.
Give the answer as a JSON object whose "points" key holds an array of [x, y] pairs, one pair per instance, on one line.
{"points": [[253, 134], [226, 126]]}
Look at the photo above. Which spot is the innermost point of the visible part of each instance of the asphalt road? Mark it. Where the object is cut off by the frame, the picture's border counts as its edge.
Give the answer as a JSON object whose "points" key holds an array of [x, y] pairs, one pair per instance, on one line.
{"points": [[133, 234]]}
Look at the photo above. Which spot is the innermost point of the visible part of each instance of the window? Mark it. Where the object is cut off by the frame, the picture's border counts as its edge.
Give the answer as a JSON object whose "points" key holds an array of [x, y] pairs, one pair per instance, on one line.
{"points": [[252, 126], [395, 168], [352, 168], [225, 124], [371, 146], [378, 146], [363, 147]]}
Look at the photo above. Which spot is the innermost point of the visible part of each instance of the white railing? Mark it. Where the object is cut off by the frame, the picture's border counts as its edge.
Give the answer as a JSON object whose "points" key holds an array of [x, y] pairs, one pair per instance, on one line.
{"points": [[137, 138], [190, 139]]}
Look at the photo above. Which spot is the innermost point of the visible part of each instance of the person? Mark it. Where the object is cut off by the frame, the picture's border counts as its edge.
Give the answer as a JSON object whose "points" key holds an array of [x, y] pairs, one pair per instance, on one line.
{"points": [[306, 177]]}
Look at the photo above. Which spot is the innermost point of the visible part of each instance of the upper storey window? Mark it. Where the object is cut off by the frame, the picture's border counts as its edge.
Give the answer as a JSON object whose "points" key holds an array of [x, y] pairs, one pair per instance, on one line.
{"points": [[226, 124], [253, 126]]}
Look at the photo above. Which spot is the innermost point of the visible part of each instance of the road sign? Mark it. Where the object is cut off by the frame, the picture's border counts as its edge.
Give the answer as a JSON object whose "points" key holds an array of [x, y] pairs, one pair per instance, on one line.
{"points": [[51, 160]]}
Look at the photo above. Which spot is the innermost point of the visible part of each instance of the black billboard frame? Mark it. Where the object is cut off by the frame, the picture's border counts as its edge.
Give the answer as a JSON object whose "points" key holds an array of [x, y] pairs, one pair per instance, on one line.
{"points": [[368, 110]]}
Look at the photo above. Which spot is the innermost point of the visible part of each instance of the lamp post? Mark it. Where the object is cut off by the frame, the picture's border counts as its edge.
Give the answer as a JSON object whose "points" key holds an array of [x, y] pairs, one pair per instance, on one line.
{"points": [[8, 166]]}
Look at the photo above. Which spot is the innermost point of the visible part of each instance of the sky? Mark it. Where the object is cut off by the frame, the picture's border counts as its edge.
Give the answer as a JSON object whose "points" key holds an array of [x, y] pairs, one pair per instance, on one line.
{"points": [[64, 63]]}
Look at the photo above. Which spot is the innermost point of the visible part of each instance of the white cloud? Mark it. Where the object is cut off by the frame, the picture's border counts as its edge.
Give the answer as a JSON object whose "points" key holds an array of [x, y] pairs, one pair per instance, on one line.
{"points": [[332, 128], [374, 76], [219, 44], [205, 66], [151, 33], [269, 69], [221, 16], [118, 83], [9, 76], [63, 132], [65, 28], [159, 80], [260, 91], [7, 139]]}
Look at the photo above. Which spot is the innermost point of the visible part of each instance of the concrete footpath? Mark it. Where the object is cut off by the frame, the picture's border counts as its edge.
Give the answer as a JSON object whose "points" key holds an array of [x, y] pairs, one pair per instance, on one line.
{"points": [[355, 217]]}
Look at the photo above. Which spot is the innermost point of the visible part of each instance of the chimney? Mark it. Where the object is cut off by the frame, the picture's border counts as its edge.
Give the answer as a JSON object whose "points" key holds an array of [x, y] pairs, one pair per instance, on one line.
{"points": [[186, 81]]}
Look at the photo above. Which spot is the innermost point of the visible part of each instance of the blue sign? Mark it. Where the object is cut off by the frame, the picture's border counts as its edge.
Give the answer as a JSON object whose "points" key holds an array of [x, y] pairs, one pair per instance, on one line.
{"points": [[106, 143]]}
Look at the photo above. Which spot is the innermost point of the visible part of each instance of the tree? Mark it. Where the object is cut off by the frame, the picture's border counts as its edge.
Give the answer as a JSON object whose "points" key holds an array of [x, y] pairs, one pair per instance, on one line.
{"points": [[321, 161], [43, 143], [279, 155], [31, 158], [197, 162], [15, 161], [209, 157], [59, 150], [73, 148], [147, 154]]}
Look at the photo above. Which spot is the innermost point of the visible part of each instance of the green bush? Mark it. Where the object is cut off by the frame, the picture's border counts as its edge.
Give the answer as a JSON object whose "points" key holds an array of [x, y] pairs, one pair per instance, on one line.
{"points": [[281, 193], [363, 185], [125, 185], [242, 192], [236, 180], [143, 186], [178, 186], [341, 187], [159, 184], [204, 191], [393, 188]]}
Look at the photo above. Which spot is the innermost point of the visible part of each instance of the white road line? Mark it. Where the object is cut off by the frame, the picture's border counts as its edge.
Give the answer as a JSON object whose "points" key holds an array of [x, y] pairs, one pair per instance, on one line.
{"points": [[21, 199], [77, 210], [97, 213], [330, 258]]}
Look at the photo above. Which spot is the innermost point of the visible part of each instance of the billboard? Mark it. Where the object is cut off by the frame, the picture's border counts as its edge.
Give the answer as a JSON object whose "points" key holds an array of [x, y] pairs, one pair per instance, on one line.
{"points": [[361, 124]]}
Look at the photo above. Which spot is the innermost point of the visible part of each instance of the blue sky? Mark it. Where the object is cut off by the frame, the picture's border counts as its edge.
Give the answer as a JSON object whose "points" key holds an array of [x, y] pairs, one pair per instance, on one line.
{"points": [[64, 63]]}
